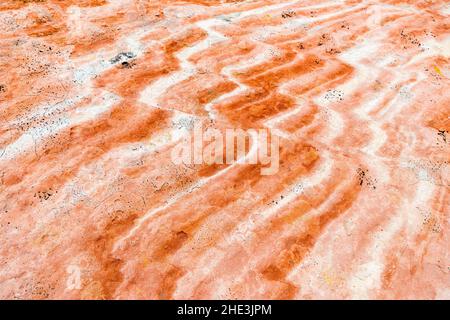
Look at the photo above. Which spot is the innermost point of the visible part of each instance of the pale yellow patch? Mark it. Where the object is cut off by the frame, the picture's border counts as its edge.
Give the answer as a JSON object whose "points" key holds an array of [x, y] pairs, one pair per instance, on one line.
{"points": [[438, 70], [145, 262], [330, 278]]}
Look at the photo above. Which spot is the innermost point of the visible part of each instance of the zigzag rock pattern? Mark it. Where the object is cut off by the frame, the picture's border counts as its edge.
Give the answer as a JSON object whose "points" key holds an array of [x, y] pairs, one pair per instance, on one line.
{"points": [[95, 94]]}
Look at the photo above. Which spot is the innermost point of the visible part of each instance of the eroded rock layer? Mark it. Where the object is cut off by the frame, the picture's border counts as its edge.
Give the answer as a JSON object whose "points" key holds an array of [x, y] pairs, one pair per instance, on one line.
{"points": [[94, 96]]}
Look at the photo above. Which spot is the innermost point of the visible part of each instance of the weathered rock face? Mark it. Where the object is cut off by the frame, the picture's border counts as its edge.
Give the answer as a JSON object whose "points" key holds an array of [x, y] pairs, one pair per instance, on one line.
{"points": [[95, 96]]}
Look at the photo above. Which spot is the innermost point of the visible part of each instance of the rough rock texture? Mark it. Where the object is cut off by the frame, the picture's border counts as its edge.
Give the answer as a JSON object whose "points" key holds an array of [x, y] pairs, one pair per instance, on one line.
{"points": [[94, 95]]}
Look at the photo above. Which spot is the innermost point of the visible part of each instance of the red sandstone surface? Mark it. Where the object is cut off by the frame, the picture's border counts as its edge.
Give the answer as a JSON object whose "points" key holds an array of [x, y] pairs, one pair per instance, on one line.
{"points": [[94, 95]]}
